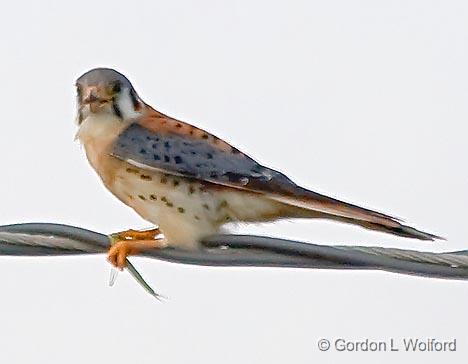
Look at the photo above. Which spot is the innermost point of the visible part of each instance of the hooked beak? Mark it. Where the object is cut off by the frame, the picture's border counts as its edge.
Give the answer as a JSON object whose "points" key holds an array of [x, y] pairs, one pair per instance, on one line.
{"points": [[95, 98]]}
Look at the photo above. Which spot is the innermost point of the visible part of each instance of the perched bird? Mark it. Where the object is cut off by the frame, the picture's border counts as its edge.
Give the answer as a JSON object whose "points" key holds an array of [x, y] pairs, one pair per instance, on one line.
{"points": [[186, 181]]}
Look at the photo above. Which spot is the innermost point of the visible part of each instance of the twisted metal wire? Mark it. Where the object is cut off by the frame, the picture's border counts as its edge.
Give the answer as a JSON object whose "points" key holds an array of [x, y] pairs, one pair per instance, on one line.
{"points": [[451, 259], [240, 251]]}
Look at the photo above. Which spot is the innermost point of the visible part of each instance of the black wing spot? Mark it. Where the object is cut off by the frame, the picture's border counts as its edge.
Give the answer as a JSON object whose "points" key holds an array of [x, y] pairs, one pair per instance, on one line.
{"points": [[209, 155], [142, 151], [178, 159], [167, 145], [155, 145], [192, 152], [233, 177], [156, 157], [214, 174], [166, 159]]}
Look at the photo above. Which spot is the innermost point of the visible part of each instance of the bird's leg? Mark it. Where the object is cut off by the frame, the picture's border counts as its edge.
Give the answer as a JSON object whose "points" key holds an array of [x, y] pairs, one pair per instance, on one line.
{"points": [[137, 234], [131, 242], [121, 249]]}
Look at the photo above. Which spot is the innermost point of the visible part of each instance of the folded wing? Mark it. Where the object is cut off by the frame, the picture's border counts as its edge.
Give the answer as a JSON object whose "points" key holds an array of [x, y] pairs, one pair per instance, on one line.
{"points": [[200, 158]]}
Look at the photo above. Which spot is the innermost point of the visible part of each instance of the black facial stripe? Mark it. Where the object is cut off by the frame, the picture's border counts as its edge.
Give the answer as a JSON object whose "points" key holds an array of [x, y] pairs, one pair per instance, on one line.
{"points": [[134, 98], [116, 109]]}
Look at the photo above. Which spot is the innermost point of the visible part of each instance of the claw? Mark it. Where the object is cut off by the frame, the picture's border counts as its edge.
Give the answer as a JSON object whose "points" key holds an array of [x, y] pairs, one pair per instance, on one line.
{"points": [[123, 245], [119, 252]]}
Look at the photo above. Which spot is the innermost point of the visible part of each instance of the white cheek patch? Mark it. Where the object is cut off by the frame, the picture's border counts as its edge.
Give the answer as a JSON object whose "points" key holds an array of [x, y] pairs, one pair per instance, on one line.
{"points": [[126, 106]]}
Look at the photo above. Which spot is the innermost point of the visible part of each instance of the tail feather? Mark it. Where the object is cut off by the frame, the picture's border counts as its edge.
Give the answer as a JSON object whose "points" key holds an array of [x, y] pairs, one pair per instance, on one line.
{"points": [[320, 206], [404, 231]]}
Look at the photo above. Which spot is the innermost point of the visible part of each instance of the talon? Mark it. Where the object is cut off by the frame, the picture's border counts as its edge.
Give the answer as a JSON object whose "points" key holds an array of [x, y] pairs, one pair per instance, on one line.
{"points": [[121, 249], [119, 252]]}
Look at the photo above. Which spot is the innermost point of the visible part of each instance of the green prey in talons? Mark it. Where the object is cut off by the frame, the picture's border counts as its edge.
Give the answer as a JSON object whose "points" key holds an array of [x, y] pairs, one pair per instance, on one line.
{"points": [[133, 272]]}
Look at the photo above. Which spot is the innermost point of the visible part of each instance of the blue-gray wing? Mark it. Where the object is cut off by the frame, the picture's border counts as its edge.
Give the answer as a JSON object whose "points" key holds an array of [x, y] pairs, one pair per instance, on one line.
{"points": [[200, 159], [189, 157]]}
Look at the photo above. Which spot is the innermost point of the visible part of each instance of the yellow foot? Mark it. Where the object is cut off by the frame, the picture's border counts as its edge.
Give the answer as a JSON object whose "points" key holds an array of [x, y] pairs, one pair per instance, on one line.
{"points": [[137, 234], [120, 250]]}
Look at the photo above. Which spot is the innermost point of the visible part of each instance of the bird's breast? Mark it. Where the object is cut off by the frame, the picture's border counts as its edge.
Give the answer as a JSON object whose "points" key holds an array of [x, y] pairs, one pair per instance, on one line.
{"points": [[155, 195], [98, 133]]}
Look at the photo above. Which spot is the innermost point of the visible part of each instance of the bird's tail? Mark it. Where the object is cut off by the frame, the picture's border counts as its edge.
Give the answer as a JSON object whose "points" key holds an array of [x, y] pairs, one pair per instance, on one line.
{"points": [[314, 205]]}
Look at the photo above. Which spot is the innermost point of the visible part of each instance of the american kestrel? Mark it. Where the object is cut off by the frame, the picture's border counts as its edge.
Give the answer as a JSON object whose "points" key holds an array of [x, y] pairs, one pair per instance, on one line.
{"points": [[187, 181]]}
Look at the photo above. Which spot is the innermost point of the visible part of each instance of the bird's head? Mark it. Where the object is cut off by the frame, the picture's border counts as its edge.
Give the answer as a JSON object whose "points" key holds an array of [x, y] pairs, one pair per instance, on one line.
{"points": [[104, 90]]}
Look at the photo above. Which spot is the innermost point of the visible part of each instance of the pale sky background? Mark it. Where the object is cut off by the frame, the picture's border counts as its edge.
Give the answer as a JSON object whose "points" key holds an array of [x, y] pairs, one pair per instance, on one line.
{"points": [[362, 100]]}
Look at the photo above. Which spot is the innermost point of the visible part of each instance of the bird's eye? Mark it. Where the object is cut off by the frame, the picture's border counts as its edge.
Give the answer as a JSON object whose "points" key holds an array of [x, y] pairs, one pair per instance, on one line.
{"points": [[116, 87]]}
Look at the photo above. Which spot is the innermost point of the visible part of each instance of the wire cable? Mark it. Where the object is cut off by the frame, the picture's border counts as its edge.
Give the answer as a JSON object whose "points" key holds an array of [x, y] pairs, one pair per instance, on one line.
{"points": [[38, 239]]}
